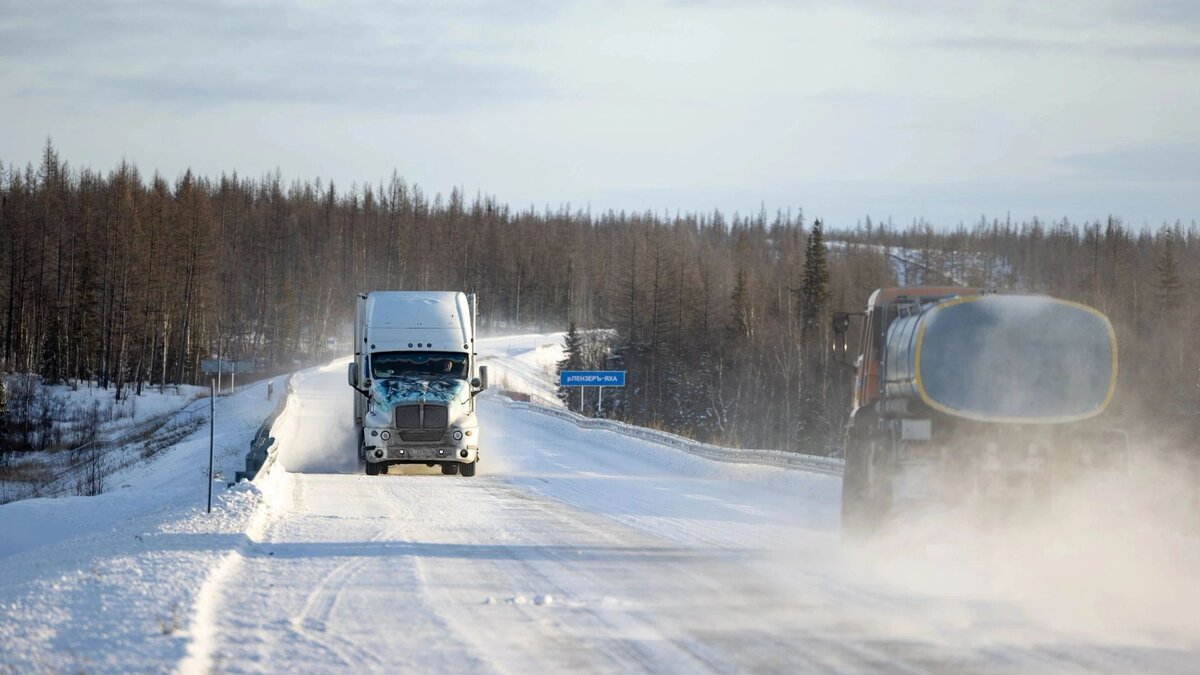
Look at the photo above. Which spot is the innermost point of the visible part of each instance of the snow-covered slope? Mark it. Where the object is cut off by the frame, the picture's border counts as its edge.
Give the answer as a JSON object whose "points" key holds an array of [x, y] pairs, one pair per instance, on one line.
{"points": [[71, 408], [915, 267], [525, 364]]}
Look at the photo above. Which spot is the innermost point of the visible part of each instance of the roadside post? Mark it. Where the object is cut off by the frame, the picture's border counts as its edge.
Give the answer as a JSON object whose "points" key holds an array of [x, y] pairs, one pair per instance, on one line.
{"points": [[212, 427], [592, 378]]}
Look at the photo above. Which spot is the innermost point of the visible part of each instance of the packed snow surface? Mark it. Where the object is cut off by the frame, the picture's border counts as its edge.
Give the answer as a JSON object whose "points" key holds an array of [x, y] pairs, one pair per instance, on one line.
{"points": [[572, 549]]}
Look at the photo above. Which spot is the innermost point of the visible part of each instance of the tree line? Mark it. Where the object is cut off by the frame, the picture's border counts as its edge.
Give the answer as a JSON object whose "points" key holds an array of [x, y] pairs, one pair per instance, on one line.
{"points": [[722, 323]]}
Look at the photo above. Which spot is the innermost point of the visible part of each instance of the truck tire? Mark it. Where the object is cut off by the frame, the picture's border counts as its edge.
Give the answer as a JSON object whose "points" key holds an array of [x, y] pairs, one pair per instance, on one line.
{"points": [[857, 508], [449, 469], [883, 471], [372, 469], [467, 470]]}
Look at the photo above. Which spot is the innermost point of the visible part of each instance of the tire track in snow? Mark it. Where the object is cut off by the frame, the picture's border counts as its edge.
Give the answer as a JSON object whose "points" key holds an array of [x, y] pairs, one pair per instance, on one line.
{"points": [[602, 636], [312, 620], [202, 629]]}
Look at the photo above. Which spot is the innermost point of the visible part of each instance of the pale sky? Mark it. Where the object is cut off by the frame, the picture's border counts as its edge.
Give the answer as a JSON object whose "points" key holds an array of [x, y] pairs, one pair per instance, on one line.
{"points": [[900, 109]]}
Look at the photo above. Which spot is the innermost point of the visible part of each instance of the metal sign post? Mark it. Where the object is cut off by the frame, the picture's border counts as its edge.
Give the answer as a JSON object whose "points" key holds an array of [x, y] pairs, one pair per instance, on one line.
{"points": [[592, 378], [212, 426], [219, 366]]}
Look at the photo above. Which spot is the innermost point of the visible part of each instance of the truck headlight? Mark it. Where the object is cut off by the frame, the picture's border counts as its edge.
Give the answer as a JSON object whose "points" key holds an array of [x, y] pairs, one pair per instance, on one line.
{"points": [[457, 435], [385, 435]]}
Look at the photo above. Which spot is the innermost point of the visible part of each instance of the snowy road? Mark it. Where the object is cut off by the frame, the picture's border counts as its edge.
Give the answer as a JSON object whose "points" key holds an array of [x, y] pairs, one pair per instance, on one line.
{"points": [[586, 550], [573, 549]]}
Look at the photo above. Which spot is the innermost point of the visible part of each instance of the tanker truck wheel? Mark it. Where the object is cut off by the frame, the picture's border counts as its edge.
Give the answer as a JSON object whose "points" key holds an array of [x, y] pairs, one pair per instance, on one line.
{"points": [[857, 511], [449, 469], [468, 470], [883, 472]]}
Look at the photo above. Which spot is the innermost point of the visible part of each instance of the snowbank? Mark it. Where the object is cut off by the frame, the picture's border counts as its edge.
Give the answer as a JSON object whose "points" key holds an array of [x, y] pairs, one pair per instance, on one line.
{"points": [[105, 583]]}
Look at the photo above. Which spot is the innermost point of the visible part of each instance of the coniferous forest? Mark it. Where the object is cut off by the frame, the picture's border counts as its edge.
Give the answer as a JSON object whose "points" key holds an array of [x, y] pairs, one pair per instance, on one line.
{"points": [[722, 321]]}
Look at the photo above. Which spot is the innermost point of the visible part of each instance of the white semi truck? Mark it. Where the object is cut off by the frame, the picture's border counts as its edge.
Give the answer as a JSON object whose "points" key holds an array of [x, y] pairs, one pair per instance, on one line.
{"points": [[414, 379]]}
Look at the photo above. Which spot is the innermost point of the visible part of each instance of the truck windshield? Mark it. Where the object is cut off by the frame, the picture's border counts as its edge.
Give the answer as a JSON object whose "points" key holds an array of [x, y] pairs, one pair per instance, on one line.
{"points": [[420, 364]]}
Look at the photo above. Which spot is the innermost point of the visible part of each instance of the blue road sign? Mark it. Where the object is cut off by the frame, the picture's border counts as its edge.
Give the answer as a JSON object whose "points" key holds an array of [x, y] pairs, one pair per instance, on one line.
{"points": [[591, 378]]}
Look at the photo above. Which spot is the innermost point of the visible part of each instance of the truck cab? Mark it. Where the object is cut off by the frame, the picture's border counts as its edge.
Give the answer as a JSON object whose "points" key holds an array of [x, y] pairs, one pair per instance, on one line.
{"points": [[415, 380], [883, 307]]}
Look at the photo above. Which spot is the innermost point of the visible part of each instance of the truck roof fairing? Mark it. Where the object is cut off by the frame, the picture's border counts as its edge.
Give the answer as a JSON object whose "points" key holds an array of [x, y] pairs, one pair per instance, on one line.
{"points": [[418, 321]]}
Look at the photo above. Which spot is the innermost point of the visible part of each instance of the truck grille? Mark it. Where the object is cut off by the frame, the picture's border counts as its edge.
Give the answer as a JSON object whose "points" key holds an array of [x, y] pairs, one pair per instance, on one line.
{"points": [[421, 436], [436, 417], [410, 417]]}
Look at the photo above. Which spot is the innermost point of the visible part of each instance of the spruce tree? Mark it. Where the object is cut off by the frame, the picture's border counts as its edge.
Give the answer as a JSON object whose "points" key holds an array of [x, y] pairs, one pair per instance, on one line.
{"points": [[812, 419], [740, 324], [814, 291], [572, 360], [1170, 284]]}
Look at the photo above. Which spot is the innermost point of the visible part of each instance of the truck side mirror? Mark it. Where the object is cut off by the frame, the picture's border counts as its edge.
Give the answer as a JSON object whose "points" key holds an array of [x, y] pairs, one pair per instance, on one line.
{"points": [[352, 375], [841, 323], [480, 383], [841, 326]]}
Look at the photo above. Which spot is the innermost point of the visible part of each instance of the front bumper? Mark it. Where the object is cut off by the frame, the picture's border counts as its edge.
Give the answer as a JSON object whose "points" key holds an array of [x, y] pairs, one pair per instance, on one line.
{"points": [[421, 447]]}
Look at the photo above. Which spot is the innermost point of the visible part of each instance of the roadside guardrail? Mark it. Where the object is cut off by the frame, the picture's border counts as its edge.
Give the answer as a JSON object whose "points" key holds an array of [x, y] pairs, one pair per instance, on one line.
{"points": [[829, 466], [263, 444]]}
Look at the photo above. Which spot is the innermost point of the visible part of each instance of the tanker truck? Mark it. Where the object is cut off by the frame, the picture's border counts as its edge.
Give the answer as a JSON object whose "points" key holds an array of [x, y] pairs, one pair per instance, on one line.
{"points": [[962, 397], [414, 380]]}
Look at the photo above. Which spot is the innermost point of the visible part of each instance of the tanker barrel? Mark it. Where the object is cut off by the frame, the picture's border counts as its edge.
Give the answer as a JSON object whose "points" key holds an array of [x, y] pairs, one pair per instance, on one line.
{"points": [[1004, 358]]}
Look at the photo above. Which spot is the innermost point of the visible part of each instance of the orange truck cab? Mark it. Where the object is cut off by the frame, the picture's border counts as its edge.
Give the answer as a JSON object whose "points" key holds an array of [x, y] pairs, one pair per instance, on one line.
{"points": [[883, 308]]}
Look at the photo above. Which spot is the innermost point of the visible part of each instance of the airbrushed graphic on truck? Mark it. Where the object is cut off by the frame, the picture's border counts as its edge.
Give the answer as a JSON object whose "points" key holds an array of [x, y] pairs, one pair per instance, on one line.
{"points": [[408, 389]]}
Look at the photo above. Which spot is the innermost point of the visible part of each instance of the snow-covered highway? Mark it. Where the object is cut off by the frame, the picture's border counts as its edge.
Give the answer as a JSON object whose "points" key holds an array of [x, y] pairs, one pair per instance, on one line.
{"points": [[573, 549], [582, 549]]}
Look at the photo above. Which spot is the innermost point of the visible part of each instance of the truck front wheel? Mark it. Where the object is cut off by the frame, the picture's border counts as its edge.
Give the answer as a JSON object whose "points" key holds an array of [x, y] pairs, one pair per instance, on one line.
{"points": [[372, 469], [468, 470]]}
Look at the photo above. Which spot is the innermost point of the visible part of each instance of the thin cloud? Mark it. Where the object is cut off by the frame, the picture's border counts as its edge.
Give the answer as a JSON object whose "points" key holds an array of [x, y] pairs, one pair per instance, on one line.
{"points": [[1147, 163], [401, 59], [410, 86], [1083, 49], [1180, 13]]}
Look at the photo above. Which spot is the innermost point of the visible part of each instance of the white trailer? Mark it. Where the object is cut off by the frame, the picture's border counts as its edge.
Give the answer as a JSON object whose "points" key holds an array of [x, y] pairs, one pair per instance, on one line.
{"points": [[415, 380]]}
